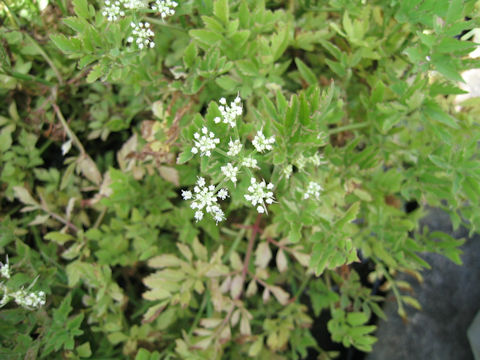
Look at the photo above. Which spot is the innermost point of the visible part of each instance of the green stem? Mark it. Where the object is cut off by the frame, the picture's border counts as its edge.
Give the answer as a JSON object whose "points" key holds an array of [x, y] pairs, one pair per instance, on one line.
{"points": [[199, 313], [46, 57], [162, 23], [240, 236], [26, 77], [348, 127], [70, 133], [302, 287]]}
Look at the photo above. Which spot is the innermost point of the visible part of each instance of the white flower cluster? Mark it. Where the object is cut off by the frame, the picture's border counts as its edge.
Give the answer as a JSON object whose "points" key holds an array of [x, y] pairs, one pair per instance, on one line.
{"points": [[314, 190], [141, 35], [204, 143], [230, 172], [165, 7], [29, 300], [234, 147], [112, 10], [22, 297], [249, 162], [261, 143], [134, 4], [259, 194], [205, 199], [229, 113], [5, 270]]}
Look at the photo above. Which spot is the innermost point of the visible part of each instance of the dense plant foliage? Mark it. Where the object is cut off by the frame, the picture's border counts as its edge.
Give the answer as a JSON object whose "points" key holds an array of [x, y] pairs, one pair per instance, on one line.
{"points": [[203, 179]]}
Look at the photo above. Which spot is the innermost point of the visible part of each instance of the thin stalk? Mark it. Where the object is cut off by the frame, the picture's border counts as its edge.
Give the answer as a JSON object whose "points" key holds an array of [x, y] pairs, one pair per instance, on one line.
{"points": [[162, 23], [348, 127], [61, 219], [46, 57], [70, 133], [199, 313], [26, 77]]}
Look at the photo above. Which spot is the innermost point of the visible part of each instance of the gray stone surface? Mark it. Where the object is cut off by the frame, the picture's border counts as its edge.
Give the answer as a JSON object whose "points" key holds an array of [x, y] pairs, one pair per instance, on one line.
{"points": [[450, 298]]}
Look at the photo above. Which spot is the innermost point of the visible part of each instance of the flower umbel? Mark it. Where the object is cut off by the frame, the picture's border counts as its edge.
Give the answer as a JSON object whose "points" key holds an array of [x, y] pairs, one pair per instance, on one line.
{"points": [[112, 10], [259, 195], [230, 172], [5, 270], [314, 190], [165, 7], [249, 162], [29, 300], [134, 4], [229, 113], [205, 199], [261, 143], [141, 35], [204, 143], [234, 147]]}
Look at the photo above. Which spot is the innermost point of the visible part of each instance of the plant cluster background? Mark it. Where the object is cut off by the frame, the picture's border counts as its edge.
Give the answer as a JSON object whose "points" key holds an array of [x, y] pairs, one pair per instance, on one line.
{"points": [[206, 179]]}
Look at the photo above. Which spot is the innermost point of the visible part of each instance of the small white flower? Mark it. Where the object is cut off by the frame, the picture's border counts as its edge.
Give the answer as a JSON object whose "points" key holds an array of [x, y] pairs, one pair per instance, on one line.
{"points": [[187, 195], [287, 171], [222, 194], [317, 160], [234, 147], [301, 162], [5, 270], [313, 189], [165, 7], [229, 113], [260, 195], [112, 10], [230, 172], [141, 35], [66, 146], [205, 143], [198, 215], [205, 199], [249, 162], [261, 143]]}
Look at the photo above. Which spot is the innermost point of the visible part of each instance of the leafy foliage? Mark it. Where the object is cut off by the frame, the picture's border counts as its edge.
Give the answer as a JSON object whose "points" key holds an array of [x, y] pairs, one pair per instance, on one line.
{"points": [[100, 139]]}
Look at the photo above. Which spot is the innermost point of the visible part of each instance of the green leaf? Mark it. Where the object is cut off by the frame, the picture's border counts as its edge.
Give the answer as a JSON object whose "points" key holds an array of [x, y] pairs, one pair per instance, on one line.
{"points": [[221, 10], [349, 216], [307, 74], [58, 237], [80, 7], [84, 350], [357, 318], [445, 66], [95, 73], [454, 12], [185, 156], [190, 55], [227, 83], [436, 113], [24, 196], [65, 44], [206, 37]]}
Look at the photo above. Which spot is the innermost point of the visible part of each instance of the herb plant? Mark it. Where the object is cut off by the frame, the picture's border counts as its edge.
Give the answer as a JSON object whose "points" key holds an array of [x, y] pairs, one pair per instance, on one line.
{"points": [[203, 179]]}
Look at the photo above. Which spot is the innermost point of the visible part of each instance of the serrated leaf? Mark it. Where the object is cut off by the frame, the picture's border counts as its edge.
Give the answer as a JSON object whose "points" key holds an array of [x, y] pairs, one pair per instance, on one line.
{"points": [[58, 237], [65, 44], [436, 113], [184, 156], [95, 73], [190, 55], [221, 10], [24, 196], [80, 7], [307, 74]]}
